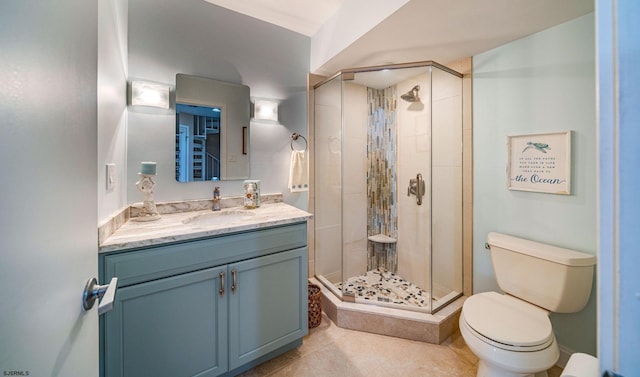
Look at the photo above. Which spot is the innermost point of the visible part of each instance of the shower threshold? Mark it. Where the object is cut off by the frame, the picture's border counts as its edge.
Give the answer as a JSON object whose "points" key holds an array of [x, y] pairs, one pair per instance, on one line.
{"points": [[387, 318]]}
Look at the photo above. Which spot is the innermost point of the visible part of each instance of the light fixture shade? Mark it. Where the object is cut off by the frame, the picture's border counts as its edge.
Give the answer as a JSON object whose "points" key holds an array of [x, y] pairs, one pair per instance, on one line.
{"points": [[145, 93], [265, 110]]}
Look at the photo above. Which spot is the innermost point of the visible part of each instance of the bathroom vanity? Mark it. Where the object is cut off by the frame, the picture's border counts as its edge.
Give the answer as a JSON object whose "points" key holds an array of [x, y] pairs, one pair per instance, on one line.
{"points": [[212, 294]]}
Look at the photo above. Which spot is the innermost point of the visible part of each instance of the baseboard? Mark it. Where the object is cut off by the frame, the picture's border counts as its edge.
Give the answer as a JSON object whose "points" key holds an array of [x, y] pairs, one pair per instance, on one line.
{"points": [[565, 354]]}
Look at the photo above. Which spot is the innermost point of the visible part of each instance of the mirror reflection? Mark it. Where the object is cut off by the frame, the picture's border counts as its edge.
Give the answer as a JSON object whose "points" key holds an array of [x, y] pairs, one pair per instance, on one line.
{"points": [[212, 129], [197, 143]]}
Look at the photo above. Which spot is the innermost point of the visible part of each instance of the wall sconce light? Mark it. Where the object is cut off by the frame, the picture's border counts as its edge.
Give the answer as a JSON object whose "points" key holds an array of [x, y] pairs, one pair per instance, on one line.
{"points": [[144, 93], [265, 110]]}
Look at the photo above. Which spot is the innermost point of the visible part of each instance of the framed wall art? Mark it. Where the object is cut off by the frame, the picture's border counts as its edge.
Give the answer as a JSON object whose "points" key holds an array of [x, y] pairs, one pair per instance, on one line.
{"points": [[540, 162]]}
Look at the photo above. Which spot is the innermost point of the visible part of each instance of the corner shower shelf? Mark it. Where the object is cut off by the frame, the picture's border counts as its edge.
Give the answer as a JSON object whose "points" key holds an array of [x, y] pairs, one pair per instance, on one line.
{"points": [[381, 238]]}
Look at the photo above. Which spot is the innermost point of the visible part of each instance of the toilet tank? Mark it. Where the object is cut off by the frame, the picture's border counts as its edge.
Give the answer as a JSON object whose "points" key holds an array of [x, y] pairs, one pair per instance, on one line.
{"points": [[551, 277]]}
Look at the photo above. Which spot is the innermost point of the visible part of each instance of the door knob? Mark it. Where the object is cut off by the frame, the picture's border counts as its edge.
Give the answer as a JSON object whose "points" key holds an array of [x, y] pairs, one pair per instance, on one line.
{"points": [[93, 292]]}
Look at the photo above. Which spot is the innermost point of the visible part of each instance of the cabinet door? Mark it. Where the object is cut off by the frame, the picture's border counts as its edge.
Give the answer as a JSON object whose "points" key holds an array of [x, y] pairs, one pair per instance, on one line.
{"points": [[268, 307], [176, 326]]}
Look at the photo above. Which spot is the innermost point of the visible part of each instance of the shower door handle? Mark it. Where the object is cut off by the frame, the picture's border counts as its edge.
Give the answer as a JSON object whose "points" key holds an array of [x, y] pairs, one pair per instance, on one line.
{"points": [[417, 188]]}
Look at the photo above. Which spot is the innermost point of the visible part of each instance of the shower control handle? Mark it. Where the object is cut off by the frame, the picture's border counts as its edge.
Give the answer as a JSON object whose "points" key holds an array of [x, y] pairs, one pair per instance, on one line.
{"points": [[417, 188]]}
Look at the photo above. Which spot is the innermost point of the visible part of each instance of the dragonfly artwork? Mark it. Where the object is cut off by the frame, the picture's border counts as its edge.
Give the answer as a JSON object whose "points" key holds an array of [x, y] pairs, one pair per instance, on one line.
{"points": [[538, 146], [540, 162]]}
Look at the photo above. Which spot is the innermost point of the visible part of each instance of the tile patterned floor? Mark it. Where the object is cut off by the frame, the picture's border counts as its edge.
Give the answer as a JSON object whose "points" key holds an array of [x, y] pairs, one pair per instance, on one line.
{"points": [[330, 351], [386, 286]]}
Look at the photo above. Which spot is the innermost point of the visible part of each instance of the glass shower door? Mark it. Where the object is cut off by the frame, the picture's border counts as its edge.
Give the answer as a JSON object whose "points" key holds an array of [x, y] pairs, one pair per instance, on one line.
{"points": [[388, 186], [446, 187], [328, 184]]}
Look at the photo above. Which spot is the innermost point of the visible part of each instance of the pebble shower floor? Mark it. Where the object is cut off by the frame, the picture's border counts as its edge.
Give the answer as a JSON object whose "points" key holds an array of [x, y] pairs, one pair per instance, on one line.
{"points": [[384, 286]]}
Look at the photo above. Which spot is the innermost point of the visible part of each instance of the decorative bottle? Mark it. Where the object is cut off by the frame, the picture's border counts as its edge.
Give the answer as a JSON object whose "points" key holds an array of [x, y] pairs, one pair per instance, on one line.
{"points": [[251, 194]]}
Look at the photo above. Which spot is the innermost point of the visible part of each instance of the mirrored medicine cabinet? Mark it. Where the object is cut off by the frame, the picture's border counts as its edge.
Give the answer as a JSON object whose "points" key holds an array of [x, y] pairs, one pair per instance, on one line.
{"points": [[212, 129]]}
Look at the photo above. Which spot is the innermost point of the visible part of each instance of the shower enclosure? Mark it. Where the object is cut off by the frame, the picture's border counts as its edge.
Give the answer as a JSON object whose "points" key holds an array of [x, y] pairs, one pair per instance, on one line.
{"points": [[388, 185]]}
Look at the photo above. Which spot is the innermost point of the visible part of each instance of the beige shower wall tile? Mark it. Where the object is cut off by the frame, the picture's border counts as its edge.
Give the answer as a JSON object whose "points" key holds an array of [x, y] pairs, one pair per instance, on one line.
{"points": [[355, 167], [445, 85], [467, 256], [447, 132], [328, 261], [464, 65], [467, 211], [329, 94], [328, 215], [355, 258], [355, 112], [467, 100], [354, 217], [447, 201]]}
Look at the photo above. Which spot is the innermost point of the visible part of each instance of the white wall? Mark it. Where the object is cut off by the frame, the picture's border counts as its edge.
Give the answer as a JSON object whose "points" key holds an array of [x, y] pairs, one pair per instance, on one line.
{"points": [[112, 104], [194, 37], [354, 19], [544, 82]]}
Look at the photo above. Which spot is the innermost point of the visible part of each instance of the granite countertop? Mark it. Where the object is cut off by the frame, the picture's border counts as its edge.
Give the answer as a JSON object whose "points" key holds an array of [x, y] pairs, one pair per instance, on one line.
{"points": [[175, 227]]}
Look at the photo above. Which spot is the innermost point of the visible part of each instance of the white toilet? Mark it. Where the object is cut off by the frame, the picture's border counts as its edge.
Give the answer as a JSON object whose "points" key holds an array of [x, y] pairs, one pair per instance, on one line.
{"points": [[511, 333]]}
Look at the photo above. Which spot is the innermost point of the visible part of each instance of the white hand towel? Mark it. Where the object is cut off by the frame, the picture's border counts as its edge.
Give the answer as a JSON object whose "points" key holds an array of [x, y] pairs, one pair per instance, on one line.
{"points": [[299, 172]]}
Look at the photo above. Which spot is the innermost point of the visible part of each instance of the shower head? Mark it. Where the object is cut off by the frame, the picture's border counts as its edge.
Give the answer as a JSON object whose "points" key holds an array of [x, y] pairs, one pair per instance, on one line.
{"points": [[412, 95]]}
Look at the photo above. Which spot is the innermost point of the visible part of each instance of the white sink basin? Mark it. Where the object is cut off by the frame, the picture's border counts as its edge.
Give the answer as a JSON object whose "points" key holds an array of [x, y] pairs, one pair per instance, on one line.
{"points": [[220, 218]]}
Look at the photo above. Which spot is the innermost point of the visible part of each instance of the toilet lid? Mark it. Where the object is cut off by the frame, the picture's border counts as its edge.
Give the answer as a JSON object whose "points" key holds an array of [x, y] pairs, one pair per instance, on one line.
{"points": [[508, 321]]}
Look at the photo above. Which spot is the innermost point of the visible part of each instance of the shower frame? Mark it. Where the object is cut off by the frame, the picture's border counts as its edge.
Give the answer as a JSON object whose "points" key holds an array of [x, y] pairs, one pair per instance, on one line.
{"points": [[349, 75]]}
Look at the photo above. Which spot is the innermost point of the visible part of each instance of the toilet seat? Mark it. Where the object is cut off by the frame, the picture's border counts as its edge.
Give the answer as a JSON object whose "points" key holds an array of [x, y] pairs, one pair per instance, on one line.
{"points": [[507, 323]]}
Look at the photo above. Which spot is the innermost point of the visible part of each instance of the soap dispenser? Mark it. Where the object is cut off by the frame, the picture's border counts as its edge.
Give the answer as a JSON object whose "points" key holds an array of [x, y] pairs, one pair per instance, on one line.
{"points": [[216, 199]]}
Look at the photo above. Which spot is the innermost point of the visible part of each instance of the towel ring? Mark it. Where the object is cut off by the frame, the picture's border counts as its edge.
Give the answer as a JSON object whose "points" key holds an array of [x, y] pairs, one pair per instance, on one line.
{"points": [[295, 136]]}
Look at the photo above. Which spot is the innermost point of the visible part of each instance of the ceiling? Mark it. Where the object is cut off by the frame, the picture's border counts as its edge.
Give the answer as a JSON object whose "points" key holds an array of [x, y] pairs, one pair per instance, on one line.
{"points": [[438, 30], [302, 16]]}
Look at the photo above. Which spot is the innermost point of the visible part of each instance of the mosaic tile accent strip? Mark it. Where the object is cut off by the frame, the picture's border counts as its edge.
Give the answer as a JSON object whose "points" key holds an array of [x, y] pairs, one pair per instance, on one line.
{"points": [[385, 286], [381, 176]]}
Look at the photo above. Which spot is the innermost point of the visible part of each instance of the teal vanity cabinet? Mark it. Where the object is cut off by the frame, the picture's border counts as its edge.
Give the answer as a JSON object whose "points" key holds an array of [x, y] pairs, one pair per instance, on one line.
{"points": [[209, 307]]}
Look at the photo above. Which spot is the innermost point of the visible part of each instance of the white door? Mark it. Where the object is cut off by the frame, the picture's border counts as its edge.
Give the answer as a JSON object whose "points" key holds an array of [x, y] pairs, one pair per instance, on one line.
{"points": [[48, 190]]}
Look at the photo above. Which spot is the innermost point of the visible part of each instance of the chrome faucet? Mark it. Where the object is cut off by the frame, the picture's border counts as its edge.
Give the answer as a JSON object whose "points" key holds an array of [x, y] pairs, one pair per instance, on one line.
{"points": [[216, 199]]}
